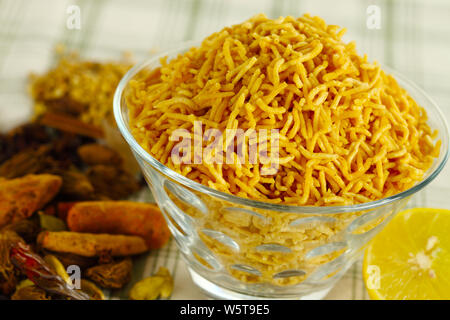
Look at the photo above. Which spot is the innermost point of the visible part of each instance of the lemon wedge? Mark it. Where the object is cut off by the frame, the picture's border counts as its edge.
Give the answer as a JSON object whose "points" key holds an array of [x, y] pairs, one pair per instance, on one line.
{"points": [[410, 258]]}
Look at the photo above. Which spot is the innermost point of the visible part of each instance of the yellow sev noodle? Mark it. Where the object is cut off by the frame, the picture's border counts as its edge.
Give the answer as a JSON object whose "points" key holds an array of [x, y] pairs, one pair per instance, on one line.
{"points": [[348, 132]]}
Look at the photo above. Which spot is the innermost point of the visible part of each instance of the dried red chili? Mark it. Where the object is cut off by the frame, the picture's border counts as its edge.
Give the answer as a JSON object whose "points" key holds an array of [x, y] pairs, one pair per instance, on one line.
{"points": [[37, 270]]}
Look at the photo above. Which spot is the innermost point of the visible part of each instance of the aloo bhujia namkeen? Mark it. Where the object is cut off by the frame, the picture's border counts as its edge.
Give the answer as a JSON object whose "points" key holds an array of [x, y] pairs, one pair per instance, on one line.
{"points": [[348, 132]]}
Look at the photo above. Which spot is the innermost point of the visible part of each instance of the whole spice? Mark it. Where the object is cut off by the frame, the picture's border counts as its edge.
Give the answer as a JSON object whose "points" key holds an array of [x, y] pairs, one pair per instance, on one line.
{"points": [[30, 293], [158, 285], [63, 209], [21, 197], [111, 182], [28, 161], [63, 149], [27, 229], [57, 153], [68, 259], [51, 223], [57, 267], [70, 124], [8, 274], [91, 245], [120, 217], [38, 271], [94, 153], [27, 136], [24, 283], [112, 275], [92, 290], [76, 186], [59, 209]]}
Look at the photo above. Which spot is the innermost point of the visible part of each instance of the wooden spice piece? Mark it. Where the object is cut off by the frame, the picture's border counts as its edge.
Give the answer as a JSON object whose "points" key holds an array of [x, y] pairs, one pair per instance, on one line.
{"points": [[21, 197], [70, 124]]}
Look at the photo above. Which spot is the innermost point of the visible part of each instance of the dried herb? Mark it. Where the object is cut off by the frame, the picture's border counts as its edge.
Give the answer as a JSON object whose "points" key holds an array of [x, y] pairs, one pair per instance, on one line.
{"points": [[30, 293], [112, 275]]}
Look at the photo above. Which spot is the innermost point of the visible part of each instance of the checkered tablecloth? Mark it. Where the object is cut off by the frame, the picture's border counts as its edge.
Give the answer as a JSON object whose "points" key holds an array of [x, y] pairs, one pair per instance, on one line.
{"points": [[414, 38]]}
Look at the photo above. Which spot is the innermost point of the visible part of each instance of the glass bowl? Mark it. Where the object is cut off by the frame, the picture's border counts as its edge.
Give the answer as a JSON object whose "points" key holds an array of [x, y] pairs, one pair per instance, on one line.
{"points": [[238, 248]]}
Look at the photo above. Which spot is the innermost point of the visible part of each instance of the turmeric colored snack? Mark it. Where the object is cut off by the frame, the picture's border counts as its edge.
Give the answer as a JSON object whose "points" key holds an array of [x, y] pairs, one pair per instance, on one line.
{"points": [[120, 217], [91, 245], [21, 197]]}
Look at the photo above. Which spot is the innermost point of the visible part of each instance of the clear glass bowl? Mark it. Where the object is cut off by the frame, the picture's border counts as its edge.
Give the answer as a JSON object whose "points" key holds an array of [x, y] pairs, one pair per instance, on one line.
{"points": [[239, 248]]}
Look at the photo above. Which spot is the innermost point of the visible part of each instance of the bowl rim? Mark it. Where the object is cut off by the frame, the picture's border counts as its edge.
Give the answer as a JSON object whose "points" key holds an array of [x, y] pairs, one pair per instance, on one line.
{"points": [[138, 150]]}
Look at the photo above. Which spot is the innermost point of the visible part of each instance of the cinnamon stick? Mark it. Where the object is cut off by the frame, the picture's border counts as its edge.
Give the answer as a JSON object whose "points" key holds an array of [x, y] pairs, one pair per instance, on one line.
{"points": [[70, 124]]}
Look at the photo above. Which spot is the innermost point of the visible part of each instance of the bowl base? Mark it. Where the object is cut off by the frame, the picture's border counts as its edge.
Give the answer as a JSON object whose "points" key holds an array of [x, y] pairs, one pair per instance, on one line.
{"points": [[214, 291]]}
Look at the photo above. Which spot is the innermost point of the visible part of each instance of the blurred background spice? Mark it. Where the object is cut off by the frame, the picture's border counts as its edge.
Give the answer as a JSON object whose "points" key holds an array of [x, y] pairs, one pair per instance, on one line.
{"points": [[80, 88]]}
